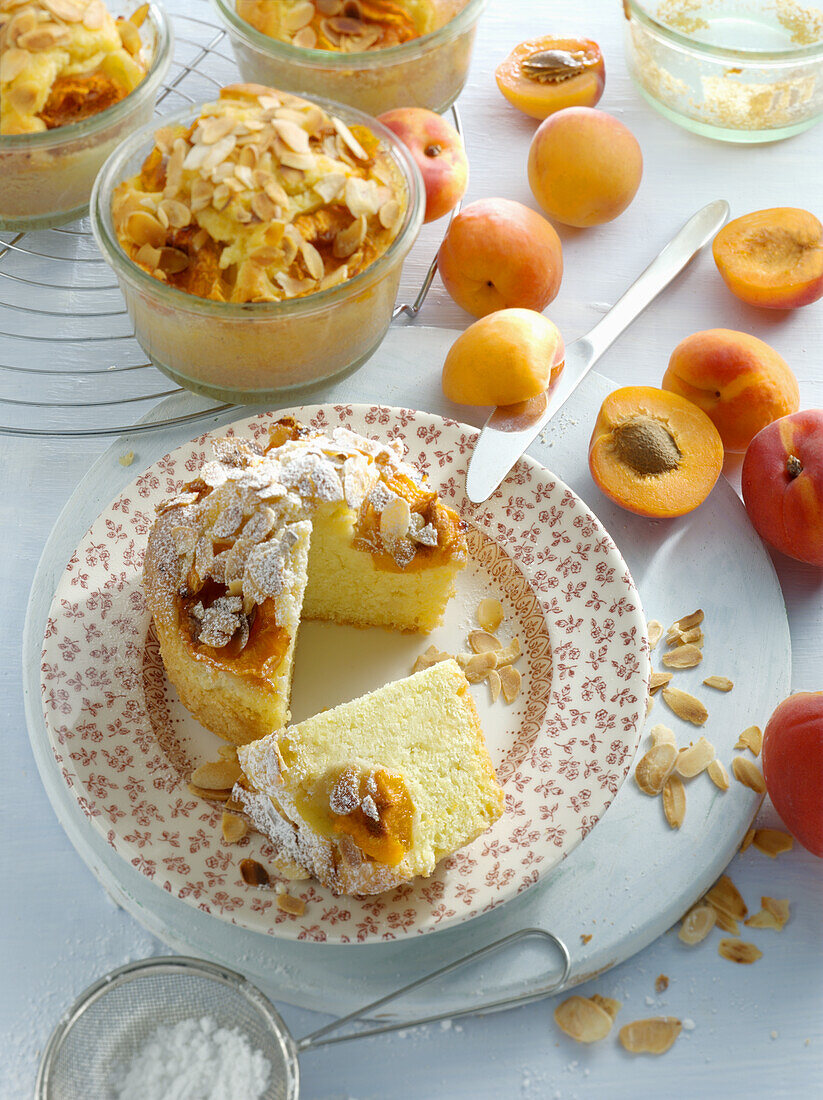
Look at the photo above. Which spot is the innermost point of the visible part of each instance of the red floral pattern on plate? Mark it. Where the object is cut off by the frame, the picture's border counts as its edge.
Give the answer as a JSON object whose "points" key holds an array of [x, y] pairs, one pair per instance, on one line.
{"points": [[117, 732]]}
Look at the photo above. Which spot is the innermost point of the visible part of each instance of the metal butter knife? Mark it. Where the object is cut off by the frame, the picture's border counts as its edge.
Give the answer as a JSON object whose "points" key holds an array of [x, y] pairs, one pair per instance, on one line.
{"points": [[509, 431]]}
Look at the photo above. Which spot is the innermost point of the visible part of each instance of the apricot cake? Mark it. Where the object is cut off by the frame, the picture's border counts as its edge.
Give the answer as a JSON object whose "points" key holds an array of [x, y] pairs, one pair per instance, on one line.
{"points": [[346, 26], [378, 790], [264, 197], [324, 526], [64, 61]]}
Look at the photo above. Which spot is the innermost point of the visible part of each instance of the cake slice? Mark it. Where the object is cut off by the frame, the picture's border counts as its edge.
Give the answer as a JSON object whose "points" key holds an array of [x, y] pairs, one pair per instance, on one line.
{"points": [[376, 791]]}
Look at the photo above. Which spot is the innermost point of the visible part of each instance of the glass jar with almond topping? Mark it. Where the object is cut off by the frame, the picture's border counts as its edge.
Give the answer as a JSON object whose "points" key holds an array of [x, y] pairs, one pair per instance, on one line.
{"points": [[372, 54], [76, 76], [258, 240]]}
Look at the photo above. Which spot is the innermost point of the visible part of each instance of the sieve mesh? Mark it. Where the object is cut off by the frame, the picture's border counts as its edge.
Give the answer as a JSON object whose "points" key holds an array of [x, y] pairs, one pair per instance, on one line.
{"points": [[112, 1021]]}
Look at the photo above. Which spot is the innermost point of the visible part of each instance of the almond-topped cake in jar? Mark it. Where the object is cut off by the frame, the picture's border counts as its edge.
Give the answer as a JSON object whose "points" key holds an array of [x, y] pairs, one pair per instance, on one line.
{"points": [[305, 524], [258, 239], [73, 80], [372, 54]]}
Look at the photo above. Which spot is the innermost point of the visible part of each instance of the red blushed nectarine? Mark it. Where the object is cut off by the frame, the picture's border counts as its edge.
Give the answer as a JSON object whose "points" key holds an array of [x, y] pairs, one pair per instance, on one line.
{"points": [[782, 483], [438, 151], [792, 758]]}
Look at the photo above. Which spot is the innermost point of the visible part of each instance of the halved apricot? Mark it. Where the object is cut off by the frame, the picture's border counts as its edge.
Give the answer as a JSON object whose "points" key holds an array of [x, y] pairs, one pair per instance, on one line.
{"points": [[545, 75], [772, 258], [653, 452]]}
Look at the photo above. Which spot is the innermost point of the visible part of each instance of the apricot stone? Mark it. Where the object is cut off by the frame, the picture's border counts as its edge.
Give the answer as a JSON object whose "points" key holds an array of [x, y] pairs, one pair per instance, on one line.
{"points": [[584, 166], [740, 382], [653, 452], [499, 254], [504, 358], [772, 258], [792, 758], [545, 75], [782, 482]]}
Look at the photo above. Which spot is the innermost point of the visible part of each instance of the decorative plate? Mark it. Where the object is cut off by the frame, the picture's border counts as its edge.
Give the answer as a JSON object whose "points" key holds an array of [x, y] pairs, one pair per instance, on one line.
{"points": [[126, 746]]}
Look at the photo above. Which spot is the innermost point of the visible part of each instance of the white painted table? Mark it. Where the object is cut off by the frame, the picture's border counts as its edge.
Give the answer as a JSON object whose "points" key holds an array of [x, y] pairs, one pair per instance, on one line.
{"points": [[758, 1029]]}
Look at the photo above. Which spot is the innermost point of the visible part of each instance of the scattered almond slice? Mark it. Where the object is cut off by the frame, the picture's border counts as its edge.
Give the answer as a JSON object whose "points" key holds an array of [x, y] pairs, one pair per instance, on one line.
{"points": [[295, 906], [685, 706], [202, 792], [510, 654], [254, 873], [655, 767], [726, 898], [126, 459], [510, 680], [697, 924], [747, 839], [719, 683], [608, 1004], [738, 951], [234, 828], [661, 983], [751, 738], [675, 637], [649, 705], [689, 621], [216, 775], [683, 656], [429, 657], [774, 914], [655, 1035], [718, 774], [655, 632], [227, 752], [482, 642], [748, 774], [493, 680], [582, 1019], [233, 806], [478, 666], [662, 735], [674, 801], [727, 923], [490, 614], [696, 758], [772, 842], [658, 680]]}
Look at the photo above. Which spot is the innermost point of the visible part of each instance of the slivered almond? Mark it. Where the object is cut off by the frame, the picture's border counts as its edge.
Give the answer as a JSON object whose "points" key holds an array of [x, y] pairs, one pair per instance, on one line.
{"points": [[431, 657], [508, 654], [658, 680], [490, 614], [752, 739], [688, 621], [726, 923], [480, 641], [608, 1004], [233, 805], [655, 632], [685, 706], [510, 680], [726, 898], [718, 774], [674, 801], [655, 767], [738, 951], [748, 774], [478, 666], [227, 752], [234, 828], [747, 839], [662, 735], [395, 519], [697, 924], [295, 906], [655, 1035], [214, 796], [217, 775], [773, 914], [493, 680], [675, 637], [696, 758], [254, 873], [772, 842], [583, 1020], [719, 683], [683, 656], [649, 705]]}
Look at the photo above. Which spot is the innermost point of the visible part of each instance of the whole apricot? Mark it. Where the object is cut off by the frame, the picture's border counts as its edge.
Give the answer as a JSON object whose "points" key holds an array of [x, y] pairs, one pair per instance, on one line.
{"points": [[499, 254], [653, 452], [782, 483], [772, 258], [545, 75], [438, 150], [505, 357], [792, 758], [584, 166], [740, 382]]}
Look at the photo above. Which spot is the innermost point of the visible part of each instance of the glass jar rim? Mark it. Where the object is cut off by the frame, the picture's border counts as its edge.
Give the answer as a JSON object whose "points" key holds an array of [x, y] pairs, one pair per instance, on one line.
{"points": [[362, 59], [72, 130], [775, 57], [108, 243]]}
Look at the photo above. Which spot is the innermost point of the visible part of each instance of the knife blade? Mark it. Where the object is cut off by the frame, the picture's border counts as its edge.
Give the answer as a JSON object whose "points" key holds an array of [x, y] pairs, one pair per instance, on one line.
{"points": [[510, 430]]}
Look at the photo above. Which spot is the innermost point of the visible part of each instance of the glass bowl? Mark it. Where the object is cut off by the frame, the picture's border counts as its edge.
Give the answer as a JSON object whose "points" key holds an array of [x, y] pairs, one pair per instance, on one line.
{"points": [[256, 351], [736, 70], [429, 71], [46, 178]]}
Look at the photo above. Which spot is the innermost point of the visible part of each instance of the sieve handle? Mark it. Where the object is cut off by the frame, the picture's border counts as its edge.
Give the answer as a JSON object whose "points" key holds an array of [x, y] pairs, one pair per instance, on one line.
{"points": [[319, 1038]]}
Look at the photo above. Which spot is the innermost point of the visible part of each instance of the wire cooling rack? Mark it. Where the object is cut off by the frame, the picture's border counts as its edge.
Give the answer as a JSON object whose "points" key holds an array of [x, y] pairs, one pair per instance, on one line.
{"points": [[67, 348]]}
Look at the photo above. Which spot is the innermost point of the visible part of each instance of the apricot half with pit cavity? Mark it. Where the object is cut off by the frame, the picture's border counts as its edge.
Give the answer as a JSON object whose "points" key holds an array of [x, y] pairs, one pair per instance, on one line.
{"points": [[653, 452], [772, 258]]}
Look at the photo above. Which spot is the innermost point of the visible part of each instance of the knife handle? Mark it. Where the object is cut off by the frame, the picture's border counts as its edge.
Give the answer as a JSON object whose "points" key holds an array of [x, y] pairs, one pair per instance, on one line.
{"points": [[697, 231]]}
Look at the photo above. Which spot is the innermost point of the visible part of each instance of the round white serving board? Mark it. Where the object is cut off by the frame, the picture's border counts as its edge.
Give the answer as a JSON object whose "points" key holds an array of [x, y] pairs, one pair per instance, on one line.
{"points": [[633, 877]]}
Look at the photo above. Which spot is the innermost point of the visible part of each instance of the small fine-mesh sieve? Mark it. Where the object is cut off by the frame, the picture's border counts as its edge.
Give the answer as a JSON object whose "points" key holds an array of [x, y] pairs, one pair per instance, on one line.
{"points": [[113, 1019]]}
